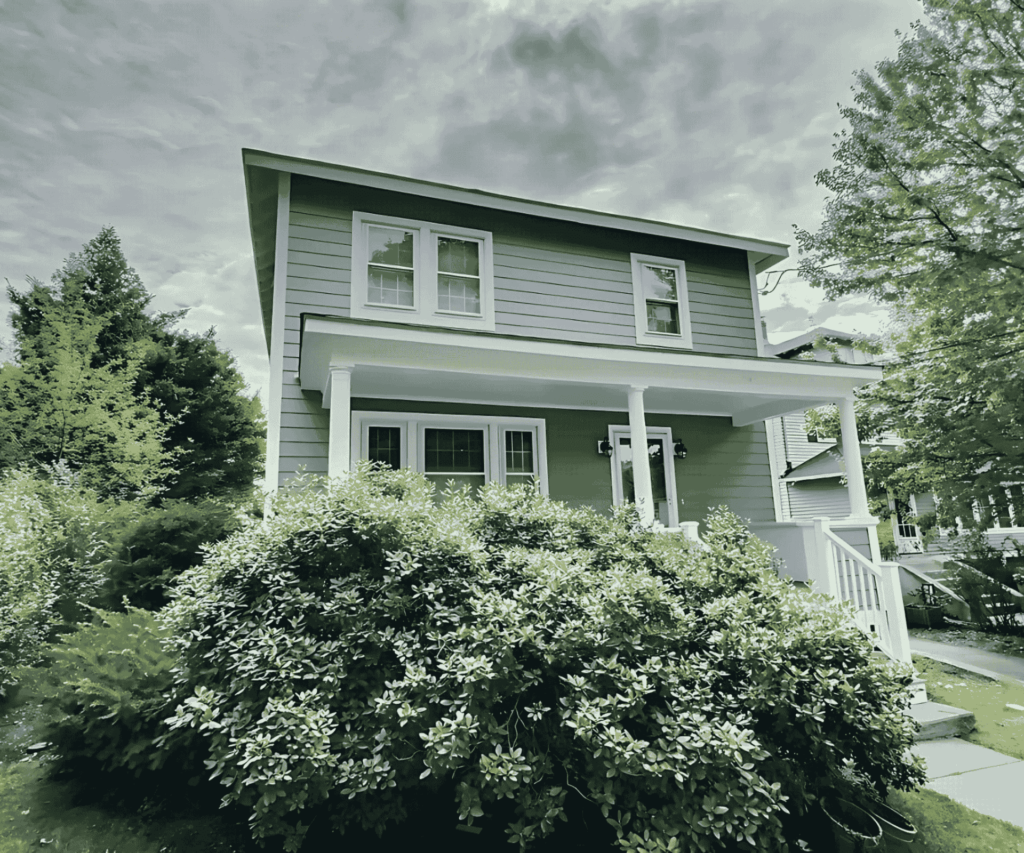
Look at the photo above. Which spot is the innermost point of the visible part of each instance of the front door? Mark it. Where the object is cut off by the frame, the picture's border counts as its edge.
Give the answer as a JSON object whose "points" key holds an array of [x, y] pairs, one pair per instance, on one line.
{"points": [[663, 479], [908, 537]]}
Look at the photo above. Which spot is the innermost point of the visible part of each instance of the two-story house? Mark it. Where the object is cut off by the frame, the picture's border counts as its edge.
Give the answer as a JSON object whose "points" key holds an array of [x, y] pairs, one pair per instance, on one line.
{"points": [[479, 337]]}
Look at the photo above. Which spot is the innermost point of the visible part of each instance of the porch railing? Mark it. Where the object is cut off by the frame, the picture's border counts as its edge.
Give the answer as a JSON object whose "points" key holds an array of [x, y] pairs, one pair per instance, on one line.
{"points": [[872, 589], [812, 553]]}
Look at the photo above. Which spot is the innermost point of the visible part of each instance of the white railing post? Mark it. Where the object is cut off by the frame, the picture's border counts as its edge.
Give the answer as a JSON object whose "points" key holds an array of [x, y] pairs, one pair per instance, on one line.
{"points": [[892, 603], [827, 577], [690, 530]]}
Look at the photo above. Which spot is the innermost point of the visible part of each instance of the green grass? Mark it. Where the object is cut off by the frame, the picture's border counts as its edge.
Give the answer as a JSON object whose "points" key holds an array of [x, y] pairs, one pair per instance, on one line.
{"points": [[38, 812], [997, 727], [945, 826]]}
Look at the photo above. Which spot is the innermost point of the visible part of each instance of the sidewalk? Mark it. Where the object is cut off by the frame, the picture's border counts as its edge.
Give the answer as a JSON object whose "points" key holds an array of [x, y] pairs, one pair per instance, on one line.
{"points": [[992, 664], [979, 778]]}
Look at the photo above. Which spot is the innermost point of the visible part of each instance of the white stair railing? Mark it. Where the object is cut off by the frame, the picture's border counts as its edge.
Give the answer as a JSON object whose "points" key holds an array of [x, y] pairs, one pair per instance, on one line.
{"points": [[873, 590]]}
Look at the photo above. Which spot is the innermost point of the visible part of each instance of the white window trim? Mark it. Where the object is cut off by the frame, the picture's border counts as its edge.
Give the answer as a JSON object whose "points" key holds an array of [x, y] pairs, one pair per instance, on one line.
{"points": [[413, 424], [424, 310], [684, 340]]}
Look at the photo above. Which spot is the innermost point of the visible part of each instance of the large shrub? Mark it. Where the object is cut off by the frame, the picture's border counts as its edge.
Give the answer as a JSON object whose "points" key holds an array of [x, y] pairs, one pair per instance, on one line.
{"points": [[148, 553], [51, 555], [365, 648], [104, 688]]}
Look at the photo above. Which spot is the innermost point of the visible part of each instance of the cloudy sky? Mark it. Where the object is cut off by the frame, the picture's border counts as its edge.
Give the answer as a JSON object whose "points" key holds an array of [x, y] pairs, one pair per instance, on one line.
{"points": [[709, 113]]}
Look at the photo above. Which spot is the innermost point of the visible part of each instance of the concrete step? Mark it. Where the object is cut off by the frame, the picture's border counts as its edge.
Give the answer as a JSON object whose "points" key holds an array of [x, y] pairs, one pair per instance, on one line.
{"points": [[936, 720]]}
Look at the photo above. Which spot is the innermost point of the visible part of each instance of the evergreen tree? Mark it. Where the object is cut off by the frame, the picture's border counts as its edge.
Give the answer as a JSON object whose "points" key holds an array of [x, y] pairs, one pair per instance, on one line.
{"points": [[97, 305]]}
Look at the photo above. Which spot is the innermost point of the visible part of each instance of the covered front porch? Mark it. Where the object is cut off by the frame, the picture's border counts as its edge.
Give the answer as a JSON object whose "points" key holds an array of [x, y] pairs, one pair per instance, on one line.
{"points": [[479, 407]]}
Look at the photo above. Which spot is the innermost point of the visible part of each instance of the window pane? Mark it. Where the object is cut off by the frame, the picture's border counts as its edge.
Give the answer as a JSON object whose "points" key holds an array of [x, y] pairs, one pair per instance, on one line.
{"points": [[662, 317], [391, 246], [458, 294], [658, 282], [458, 256], [518, 453], [1017, 503], [454, 451], [390, 287], [385, 445], [1001, 506]]}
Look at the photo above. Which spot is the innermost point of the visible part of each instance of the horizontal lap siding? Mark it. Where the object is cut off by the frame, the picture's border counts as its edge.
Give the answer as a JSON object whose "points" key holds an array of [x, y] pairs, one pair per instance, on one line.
{"points": [[305, 428], [552, 279], [725, 465], [828, 498]]}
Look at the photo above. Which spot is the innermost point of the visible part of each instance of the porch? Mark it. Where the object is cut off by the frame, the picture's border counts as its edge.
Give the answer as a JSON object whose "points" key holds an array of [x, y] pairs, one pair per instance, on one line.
{"points": [[570, 415]]}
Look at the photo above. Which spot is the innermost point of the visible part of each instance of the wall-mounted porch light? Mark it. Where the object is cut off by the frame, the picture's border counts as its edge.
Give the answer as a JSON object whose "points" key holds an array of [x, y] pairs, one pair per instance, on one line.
{"points": [[604, 447], [679, 449]]}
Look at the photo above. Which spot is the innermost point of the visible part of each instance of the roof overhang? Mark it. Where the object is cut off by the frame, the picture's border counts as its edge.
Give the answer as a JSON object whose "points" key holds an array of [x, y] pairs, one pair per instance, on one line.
{"points": [[412, 363]]}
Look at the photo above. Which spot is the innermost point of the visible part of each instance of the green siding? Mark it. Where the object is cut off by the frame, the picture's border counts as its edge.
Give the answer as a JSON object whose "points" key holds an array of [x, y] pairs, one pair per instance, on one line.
{"points": [[552, 279], [725, 465]]}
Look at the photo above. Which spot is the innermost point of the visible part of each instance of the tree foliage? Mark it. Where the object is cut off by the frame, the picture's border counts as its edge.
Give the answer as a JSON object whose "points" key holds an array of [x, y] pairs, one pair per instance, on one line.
{"points": [[926, 214], [114, 388], [55, 405]]}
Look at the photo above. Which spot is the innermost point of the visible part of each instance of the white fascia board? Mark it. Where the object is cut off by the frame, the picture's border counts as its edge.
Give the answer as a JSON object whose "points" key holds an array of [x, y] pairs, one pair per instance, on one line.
{"points": [[770, 253], [782, 385]]}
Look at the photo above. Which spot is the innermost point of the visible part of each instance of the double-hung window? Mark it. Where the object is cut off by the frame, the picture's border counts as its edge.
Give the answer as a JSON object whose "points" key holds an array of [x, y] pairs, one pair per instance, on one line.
{"points": [[465, 448], [410, 271], [660, 301]]}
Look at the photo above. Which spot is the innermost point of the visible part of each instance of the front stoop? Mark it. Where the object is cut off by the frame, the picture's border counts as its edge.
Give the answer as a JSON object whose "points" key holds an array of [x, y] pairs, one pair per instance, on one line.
{"points": [[939, 721]]}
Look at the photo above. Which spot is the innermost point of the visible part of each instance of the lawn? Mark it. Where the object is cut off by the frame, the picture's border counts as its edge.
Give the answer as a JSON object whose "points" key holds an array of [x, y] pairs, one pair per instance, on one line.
{"points": [[999, 727], [40, 813]]}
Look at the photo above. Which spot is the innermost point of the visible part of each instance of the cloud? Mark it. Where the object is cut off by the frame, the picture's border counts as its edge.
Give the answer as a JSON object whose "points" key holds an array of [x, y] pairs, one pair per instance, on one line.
{"points": [[712, 113]]}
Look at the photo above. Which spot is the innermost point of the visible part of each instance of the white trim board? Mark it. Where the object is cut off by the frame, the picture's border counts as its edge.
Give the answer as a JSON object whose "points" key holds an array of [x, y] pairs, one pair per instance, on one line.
{"points": [[768, 253]]}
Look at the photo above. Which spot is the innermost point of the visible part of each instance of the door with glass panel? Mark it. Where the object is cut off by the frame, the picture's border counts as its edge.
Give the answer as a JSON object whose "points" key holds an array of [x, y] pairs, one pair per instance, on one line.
{"points": [[660, 460], [908, 537]]}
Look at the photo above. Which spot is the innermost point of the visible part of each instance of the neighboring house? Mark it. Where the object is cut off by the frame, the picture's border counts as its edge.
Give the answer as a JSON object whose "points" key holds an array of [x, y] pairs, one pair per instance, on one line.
{"points": [[479, 337], [813, 478], [813, 482]]}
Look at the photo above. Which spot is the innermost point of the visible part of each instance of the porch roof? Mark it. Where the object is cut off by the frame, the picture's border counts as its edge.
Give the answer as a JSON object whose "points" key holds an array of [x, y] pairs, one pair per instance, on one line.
{"points": [[406, 362]]}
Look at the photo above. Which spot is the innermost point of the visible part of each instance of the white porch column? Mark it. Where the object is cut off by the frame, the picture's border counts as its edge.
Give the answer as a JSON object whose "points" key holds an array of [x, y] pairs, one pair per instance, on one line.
{"points": [[338, 397], [641, 461], [851, 456]]}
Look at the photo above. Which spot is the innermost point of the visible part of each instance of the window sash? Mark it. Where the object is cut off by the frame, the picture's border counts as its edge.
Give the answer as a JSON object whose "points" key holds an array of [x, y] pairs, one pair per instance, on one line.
{"points": [[495, 438], [450, 282]]}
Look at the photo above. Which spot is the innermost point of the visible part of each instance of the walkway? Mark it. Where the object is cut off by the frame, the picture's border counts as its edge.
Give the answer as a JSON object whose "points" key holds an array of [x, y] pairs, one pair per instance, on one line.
{"points": [[993, 663], [979, 778]]}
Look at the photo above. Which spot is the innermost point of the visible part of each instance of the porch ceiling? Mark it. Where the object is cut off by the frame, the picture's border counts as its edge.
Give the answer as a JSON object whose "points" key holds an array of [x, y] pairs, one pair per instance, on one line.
{"points": [[406, 362]]}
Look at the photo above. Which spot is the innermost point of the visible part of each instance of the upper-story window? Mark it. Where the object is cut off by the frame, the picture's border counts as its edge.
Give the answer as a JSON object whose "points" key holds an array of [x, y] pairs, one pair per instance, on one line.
{"points": [[660, 302], [411, 271]]}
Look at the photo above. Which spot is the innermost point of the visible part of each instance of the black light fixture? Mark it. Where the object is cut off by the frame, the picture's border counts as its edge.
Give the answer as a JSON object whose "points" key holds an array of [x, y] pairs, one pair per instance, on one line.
{"points": [[604, 447], [679, 449]]}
